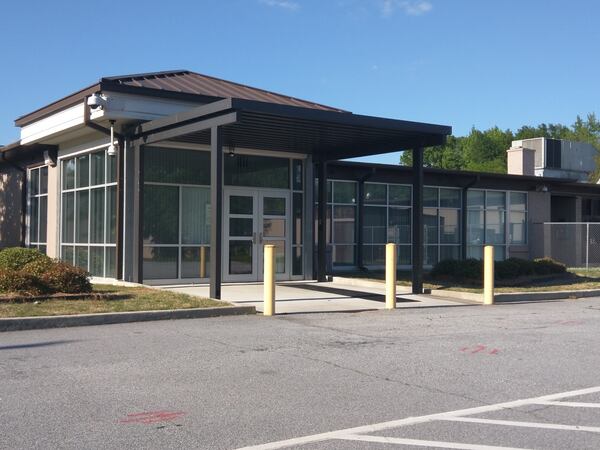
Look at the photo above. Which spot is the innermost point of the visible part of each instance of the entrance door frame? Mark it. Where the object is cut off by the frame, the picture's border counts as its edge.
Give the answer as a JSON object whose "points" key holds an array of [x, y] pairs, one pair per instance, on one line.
{"points": [[258, 250]]}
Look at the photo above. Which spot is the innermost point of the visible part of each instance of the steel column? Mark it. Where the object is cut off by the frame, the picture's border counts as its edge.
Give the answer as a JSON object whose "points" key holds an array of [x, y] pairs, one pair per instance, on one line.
{"points": [[322, 223], [360, 223], [216, 213], [138, 214], [417, 222]]}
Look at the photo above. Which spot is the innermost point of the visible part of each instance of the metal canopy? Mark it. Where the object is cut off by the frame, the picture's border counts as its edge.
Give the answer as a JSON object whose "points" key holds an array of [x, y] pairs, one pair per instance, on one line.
{"points": [[327, 135]]}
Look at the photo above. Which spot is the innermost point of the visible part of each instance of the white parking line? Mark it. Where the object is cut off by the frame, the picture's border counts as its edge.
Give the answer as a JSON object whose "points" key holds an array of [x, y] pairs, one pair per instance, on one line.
{"points": [[511, 423], [351, 433], [422, 443], [571, 404]]}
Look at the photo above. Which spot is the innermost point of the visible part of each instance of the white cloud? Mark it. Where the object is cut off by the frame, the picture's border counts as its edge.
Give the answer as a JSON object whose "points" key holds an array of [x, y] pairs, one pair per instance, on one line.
{"points": [[284, 4], [410, 7]]}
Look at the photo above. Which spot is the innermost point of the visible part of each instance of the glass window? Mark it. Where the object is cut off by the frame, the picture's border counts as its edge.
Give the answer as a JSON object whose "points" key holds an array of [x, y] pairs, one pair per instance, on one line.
{"points": [[518, 227], [298, 176], [195, 262], [257, 171], [475, 199], [89, 213], [399, 225], [430, 197], [495, 199], [177, 166], [400, 195], [375, 225], [475, 227], [494, 227], [37, 209], [161, 214], [430, 226], [375, 193], [195, 215], [450, 198], [518, 201], [160, 263], [449, 226], [344, 192], [297, 208], [83, 171]]}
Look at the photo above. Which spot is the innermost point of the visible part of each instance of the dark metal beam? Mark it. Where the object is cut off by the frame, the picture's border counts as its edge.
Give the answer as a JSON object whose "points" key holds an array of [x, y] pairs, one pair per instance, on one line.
{"points": [[322, 223], [194, 127], [197, 113], [417, 222], [216, 213]]}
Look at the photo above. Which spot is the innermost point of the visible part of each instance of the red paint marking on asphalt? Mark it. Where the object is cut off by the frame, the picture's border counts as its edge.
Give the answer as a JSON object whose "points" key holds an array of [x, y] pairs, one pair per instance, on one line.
{"points": [[152, 417], [480, 348]]}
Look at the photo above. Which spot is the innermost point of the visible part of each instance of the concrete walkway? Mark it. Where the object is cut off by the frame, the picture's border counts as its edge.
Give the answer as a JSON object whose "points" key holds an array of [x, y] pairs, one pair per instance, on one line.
{"points": [[314, 297]]}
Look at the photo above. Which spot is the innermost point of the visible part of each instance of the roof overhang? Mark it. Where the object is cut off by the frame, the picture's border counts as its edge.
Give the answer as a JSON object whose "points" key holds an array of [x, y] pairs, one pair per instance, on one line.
{"points": [[327, 135]]}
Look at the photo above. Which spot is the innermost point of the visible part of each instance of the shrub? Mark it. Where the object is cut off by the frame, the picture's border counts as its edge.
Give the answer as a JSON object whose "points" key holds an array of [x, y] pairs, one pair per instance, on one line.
{"points": [[15, 258], [38, 267], [513, 268], [20, 282], [449, 269], [548, 266], [63, 277]]}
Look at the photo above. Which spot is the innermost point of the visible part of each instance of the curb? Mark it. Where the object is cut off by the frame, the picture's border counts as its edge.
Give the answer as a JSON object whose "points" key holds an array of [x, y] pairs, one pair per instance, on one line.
{"points": [[36, 323], [502, 297]]}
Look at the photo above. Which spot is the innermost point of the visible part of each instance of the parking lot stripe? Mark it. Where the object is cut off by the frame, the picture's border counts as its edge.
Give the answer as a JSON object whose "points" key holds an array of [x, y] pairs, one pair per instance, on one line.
{"points": [[511, 423], [424, 443], [571, 404], [417, 420]]}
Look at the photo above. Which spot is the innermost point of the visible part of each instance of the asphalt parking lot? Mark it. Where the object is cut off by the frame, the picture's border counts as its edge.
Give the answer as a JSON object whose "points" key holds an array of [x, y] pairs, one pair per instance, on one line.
{"points": [[507, 376]]}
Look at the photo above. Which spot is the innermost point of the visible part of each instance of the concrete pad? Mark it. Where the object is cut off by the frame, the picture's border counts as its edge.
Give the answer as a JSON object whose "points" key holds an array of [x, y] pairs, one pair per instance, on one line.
{"points": [[314, 297]]}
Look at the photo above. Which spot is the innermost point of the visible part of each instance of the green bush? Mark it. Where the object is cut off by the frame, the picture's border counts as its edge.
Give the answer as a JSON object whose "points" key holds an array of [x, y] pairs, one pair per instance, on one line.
{"points": [[548, 266], [38, 267], [20, 282], [450, 269], [512, 268], [63, 277], [15, 258]]}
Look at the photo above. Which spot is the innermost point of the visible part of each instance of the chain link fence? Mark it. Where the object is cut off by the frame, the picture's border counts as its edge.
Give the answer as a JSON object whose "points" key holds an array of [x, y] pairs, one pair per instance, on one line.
{"points": [[576, 244]]}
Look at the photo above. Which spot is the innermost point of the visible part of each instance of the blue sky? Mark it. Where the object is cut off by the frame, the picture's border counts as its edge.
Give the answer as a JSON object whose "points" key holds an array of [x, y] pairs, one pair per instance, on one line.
{"points": [[462, 63]]}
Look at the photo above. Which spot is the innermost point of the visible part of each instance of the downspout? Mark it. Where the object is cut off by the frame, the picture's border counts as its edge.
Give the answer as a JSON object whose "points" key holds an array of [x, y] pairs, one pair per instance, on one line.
{"points": [[464, 216], [23, 171]]}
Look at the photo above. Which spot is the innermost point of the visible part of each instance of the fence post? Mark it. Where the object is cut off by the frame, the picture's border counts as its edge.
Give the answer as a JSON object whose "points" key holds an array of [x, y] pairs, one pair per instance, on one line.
{"points": [[269, 281], [488, 275], [587, 247], [390, 276]]}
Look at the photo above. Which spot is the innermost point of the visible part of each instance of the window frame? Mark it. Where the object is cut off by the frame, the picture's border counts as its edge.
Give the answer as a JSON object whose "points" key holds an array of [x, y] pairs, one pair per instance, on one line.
{"points": [[29, 242]]}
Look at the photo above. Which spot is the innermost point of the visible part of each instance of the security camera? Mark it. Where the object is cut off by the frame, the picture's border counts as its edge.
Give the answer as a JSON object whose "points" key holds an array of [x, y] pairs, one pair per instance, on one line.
{"points": [[96, 101]]}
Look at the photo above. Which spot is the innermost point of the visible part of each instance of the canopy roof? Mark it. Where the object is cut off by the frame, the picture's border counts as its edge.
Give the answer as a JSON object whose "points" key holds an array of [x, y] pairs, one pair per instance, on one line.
{"points": [[325, 134]]}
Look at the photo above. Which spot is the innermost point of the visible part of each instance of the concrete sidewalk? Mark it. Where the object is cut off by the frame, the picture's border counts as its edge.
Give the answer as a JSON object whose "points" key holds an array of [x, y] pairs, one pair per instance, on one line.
{"points": [[314, 297]]}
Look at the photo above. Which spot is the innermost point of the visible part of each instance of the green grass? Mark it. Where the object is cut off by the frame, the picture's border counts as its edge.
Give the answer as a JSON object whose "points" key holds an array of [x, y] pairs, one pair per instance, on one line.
{"points": [[130, 299], [574, 280]]}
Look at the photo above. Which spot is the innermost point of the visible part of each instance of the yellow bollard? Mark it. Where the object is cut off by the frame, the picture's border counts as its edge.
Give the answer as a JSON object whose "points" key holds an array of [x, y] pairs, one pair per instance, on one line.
{"points": [[488, 275], [390, 276], [269, 281], [202, 262]]}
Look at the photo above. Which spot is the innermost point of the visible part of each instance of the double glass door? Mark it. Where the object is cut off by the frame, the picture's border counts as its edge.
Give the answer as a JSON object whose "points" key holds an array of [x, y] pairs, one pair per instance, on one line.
{"points": [[254, 218]]}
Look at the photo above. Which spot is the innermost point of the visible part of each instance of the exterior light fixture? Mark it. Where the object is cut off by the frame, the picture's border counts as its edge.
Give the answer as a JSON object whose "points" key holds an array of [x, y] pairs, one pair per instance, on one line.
{"points": [[231, 152], [112, 148]]}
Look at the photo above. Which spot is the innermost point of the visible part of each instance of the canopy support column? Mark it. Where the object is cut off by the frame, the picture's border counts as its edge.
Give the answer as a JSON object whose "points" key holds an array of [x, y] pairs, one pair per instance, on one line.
{"points": [[417, 221], [216, 215], [322, 223]]}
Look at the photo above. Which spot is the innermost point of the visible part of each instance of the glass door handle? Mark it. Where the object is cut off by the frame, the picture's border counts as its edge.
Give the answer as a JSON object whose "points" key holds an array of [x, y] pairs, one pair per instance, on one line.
{"points": [[260, 238], [254, 238]]}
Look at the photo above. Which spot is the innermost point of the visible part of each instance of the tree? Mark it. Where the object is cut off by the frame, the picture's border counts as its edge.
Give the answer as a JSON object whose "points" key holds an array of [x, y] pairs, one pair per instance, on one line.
{"points": [[485, 151]]}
